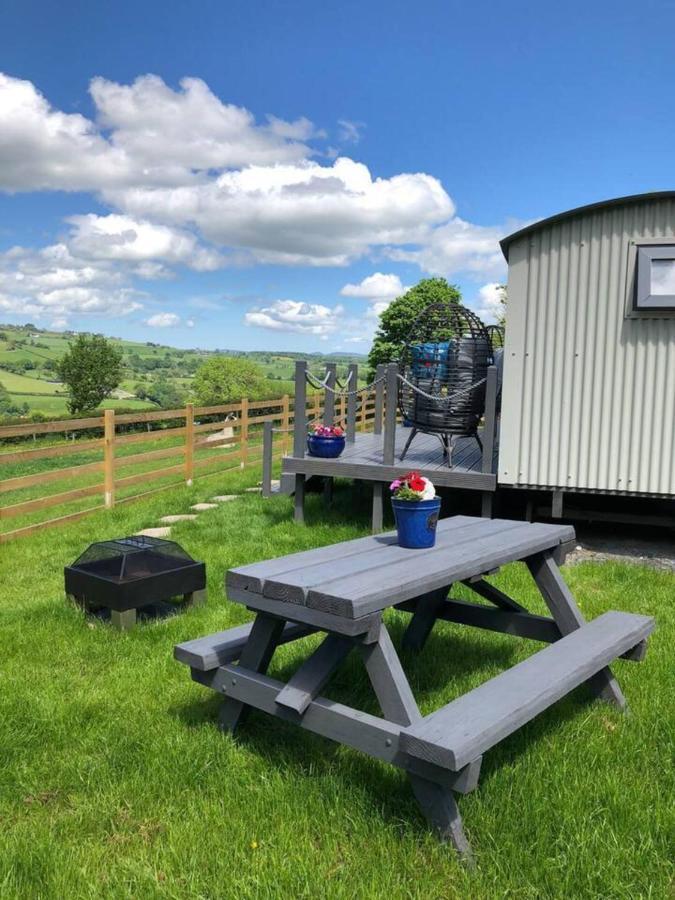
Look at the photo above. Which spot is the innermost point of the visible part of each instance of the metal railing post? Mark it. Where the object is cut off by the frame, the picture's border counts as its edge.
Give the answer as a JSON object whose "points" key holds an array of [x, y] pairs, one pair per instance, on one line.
{"points": [[352, 398]]}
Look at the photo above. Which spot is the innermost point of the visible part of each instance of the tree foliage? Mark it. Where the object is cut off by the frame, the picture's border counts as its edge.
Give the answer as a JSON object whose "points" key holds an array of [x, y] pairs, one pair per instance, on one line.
{"points": [[165, 393], [223, 379], [397, 320], [91, 369]]}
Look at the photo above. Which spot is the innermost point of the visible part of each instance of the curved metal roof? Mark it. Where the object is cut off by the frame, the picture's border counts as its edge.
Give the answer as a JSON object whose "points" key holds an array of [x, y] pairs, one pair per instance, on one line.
{"points": [[570, 213]]}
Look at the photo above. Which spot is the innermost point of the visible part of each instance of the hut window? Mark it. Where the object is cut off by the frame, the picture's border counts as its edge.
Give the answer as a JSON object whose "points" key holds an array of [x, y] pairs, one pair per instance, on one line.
{"points": [[655, 282]]}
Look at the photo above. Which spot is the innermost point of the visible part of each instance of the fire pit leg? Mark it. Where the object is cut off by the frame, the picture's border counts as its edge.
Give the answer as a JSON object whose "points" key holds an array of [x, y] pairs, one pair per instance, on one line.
{"points": [[196, 598], [123, 620]]}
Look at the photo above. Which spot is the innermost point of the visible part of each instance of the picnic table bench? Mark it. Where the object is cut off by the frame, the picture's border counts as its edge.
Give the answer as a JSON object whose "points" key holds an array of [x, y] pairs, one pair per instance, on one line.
{"points": [[343, 590]]}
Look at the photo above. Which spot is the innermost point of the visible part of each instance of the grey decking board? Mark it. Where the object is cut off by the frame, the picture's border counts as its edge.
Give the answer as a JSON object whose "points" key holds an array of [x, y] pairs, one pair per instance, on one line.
{"points": [[358, 595], [295, 586], [215, 650], [474, 722], [254, 575], [364, 459]]}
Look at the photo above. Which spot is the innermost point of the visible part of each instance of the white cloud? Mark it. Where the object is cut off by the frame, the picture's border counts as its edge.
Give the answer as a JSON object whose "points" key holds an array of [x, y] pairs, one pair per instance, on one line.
{"points": [[117, 237], [350, 132], [377, 286], [52, 282], [304, 214], [488, 303], [459, 246], [296, 316], [163, 320]]}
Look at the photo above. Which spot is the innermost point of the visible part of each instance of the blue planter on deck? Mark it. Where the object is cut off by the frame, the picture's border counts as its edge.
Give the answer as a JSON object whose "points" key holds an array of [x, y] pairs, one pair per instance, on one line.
{"points": [[325, 447], [416, 522]]}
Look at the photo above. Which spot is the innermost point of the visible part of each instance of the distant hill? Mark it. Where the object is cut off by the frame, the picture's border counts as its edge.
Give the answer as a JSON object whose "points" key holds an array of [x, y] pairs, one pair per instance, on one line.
{"points": [[28, 358]]}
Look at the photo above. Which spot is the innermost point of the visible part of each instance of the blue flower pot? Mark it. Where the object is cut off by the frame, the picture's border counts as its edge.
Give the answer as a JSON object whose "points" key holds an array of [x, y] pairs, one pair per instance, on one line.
{"points": [[325, 447], [416, 522]]}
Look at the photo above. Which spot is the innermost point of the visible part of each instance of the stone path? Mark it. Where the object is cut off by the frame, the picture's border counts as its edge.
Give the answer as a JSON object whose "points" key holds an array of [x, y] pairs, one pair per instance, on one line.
{"points": [[164, 530]]}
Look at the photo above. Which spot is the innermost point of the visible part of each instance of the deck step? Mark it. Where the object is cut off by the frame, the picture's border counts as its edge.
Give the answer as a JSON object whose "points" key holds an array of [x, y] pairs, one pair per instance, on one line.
{"points": [[470, 725], [214, 650]]}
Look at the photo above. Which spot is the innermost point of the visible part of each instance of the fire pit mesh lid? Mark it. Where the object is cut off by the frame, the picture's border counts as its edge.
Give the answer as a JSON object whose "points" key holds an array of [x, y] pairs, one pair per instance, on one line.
{"points": [[123, 547]]}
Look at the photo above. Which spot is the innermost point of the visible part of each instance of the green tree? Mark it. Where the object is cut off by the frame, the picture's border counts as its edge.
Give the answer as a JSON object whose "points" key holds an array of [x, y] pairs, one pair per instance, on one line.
{"points": [[91, 370], [224, 379], [165, 393], [397, 320]]}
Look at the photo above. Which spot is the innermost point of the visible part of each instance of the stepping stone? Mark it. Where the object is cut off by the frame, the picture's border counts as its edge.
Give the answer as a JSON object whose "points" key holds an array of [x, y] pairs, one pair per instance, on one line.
{"points": [[202, 507], [169, 520], [155, 532], [253, 490], [224, 498]]}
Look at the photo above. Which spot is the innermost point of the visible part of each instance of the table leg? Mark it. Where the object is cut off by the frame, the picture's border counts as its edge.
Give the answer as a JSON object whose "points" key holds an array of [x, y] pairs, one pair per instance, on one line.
{"points": [[255, 656], [569, 617], [398, 705], [424, 618], [124, 620]]}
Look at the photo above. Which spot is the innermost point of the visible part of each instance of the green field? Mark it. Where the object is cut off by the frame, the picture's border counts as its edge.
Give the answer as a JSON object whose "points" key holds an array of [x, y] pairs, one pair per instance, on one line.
{"points": [[37, 349], [116, 783]]}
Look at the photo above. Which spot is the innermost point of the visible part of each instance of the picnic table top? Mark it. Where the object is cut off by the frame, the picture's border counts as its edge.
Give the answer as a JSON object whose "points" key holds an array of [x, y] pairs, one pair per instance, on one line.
{"points": [[355, 578]]}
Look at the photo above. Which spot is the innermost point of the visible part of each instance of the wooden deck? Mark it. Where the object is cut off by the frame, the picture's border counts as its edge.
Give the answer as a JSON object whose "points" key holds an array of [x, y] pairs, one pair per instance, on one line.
{"points": [[363, 459]]}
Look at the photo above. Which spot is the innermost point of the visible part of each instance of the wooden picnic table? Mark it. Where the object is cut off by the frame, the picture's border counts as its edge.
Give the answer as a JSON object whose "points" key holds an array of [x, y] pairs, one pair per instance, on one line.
{"points": [[343, 590]]}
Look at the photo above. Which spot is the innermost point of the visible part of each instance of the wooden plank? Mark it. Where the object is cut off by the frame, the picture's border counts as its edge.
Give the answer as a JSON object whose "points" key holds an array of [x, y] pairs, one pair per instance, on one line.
{"points": [[148, 455], [65, 448], [24, 481], [352, 728], [217, 410], [521, 624], [373, 559], [145, 436], [474, 722], [389, 680], [18, 509], [153, 416], [65, 425], [255, 656], [425, 611], [215, 458], [378, 507], [329, 402], [300, 422], [390, 415], [352, 398], [378, 411], [369, 471], [268, 440], [148, 476], [314, 673], [7, 536], [299, 499], [490, 418], [567, 614], [266, 404], [189, 449], [254, 576], [109, 457], [215, 650], [494, 595], [366, 626], [363, 593]]}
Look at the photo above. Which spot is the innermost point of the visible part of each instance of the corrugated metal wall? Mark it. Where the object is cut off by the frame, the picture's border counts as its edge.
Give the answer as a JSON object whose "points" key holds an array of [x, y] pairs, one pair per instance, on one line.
{"points": [[589, 395]]}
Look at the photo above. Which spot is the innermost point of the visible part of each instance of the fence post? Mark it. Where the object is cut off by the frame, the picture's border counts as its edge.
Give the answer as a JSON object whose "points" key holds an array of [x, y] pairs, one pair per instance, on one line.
{"points": [[390, 414], [285, 423], [300, 417], [189, 443], [490, 420], [352, 399], [243, 434], [328, 395], [268, 449], [109, 457], [379, 398]]}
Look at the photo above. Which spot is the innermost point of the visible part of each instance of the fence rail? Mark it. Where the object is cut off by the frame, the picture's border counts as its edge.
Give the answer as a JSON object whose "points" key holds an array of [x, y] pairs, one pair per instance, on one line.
{"points": [[175, 447]]}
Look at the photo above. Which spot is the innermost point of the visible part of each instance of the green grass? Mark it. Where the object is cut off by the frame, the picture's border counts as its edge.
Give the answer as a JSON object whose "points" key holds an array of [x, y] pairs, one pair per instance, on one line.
{"points": [[17, 384], [115, 781]]}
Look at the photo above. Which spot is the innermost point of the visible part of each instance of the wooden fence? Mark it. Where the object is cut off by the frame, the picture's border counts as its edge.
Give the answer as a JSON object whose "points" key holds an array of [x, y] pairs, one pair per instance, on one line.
{"points": [[196, 451]]}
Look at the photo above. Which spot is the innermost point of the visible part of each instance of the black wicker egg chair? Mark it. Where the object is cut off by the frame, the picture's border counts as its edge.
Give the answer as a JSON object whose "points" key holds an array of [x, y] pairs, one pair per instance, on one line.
{"points": [[444, 367]]}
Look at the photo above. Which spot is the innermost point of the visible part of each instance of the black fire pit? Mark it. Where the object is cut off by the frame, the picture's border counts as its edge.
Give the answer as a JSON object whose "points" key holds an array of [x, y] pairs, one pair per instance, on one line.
{"points": [[134, 573]]}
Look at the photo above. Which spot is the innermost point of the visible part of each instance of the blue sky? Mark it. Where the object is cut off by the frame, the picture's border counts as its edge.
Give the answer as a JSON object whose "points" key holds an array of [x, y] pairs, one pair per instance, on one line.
{"points": [[262, 175]]}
